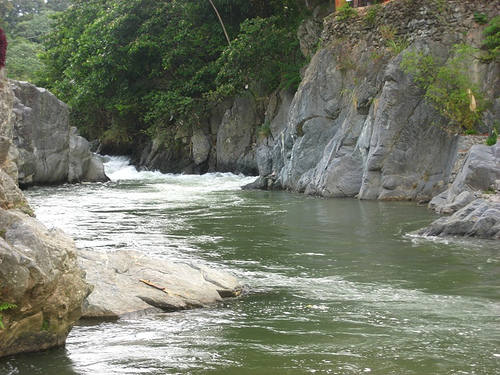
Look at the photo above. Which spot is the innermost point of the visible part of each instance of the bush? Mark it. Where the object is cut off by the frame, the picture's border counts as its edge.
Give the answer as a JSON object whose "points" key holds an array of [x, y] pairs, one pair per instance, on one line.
{"points": [[480, 18], [492, 39], [3, 48], [448, 88], [493, 137], [346, 12]]}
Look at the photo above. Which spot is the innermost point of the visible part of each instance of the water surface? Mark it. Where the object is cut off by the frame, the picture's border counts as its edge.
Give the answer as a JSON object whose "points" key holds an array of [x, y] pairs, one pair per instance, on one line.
{"points": [[336, 286]]}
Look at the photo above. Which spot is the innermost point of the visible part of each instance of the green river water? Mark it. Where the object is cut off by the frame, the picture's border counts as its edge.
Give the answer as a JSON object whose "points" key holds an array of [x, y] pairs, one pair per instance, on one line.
{"points": [[335, 286]]}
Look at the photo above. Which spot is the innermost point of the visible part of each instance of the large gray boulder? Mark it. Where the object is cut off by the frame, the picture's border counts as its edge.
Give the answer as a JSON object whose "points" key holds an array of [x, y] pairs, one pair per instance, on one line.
{"points": [[236, 138], [38, 275], [480, 171], [370, 139], [119, 291], [49, 151], [479, 219]]}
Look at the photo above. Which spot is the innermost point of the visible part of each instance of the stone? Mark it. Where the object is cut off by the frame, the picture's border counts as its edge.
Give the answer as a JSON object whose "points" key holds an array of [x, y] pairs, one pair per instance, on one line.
{"points": [[479, 219], [119, 291], [236, 138], [38, 275], [479, 173], [49, 151]]}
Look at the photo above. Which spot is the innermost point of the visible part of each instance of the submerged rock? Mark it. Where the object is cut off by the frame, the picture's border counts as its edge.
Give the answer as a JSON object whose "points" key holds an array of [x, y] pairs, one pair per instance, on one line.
{"points": [[121, 286]]}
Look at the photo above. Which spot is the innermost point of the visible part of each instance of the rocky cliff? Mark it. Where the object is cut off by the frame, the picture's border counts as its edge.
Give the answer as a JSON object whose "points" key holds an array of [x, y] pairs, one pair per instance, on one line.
{"points": [[45, 148], [41, 286], [358, 124]]}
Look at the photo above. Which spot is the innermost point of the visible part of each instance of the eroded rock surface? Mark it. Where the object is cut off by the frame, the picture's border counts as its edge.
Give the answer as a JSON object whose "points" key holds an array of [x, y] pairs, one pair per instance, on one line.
{"points": [[119, 291], [48, 150]]}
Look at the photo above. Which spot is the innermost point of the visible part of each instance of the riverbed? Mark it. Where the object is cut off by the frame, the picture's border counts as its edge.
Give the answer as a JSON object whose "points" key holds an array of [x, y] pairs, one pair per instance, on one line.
{"points": [[333, 286]]}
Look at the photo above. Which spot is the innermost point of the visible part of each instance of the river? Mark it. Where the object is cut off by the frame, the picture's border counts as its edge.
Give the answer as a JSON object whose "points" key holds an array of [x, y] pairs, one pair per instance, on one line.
{"points": [[335, 286]]}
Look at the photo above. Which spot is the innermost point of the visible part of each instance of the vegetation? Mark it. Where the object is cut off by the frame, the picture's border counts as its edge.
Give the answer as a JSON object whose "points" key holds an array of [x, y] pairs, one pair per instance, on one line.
{"points": [[493, 137], [143, 68], [480, 18], [371, 14], [346, 12], [492, 40], [448, 88], [5, 306]]}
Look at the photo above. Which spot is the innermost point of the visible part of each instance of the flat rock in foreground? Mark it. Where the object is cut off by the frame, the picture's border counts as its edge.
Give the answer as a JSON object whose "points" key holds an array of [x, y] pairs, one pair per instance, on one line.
{"points": [[120, 287]]}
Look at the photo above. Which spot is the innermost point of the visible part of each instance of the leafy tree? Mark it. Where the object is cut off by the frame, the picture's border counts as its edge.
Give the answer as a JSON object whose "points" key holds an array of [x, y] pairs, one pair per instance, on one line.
{"points": [[130, 69], [23, 59]]}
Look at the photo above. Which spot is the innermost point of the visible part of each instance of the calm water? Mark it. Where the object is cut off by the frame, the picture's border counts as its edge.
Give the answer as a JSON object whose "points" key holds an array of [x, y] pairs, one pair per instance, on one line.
{"points": [[336, 286]]}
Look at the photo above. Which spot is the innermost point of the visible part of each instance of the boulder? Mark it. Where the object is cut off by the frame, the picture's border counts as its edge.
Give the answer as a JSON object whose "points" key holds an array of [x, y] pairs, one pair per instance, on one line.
{"points": [[479, 219], [39, 277], [49, 151], [236, 137], [480, 170], [119, 291]]}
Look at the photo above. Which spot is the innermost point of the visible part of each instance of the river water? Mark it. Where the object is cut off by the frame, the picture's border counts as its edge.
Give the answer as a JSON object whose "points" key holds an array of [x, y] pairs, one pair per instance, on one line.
{"points": [[336, 286]]}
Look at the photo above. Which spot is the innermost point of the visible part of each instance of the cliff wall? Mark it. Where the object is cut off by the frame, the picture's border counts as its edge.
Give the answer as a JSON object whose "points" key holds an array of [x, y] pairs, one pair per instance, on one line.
{"points": [[358, 125]]}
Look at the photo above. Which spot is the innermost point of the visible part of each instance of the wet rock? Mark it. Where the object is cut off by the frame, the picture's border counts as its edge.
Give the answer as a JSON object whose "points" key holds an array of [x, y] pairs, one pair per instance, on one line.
{"points": [[119, 291], [479, 219], [480, 171]]}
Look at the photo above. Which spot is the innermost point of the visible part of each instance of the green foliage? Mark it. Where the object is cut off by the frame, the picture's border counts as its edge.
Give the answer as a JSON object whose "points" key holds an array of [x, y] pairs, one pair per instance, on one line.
{"points": [[493, 137], [346, 12], [5, 306], [371, 14], [397, 45], [265, 129], [492, 40], [264, 52], [23, 61], [448, 88], [142, 68], [480, 18]]}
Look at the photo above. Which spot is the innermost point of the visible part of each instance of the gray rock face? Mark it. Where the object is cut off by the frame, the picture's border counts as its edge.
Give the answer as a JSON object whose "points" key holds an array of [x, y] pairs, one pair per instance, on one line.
{"points": [[480, 171], [479, 219], [39, 275], [370, 140], [235, 138], [119, 291], [49, 152], [358, 125]]}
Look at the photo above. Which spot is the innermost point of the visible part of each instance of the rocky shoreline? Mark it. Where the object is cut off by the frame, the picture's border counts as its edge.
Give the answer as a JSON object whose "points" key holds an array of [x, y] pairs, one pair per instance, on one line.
{"points": [[337, 136], [46, 284]]}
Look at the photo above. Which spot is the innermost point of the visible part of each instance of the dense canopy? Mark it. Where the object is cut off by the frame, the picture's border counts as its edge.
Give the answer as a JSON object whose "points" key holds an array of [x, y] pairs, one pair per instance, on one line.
{"points": [[138, 68]]}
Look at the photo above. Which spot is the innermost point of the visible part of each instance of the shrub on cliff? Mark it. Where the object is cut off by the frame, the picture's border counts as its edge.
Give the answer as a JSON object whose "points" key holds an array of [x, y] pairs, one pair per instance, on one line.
{"points": [[492, 39], [448, 88], [3, 48]]}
